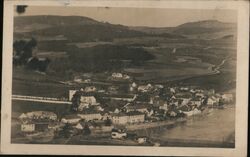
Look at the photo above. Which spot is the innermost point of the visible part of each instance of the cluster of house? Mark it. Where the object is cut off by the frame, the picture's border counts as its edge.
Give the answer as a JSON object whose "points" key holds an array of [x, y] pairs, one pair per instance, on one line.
{"points": [[170, 103], [37, 121], [119, 76], [176, 100]]}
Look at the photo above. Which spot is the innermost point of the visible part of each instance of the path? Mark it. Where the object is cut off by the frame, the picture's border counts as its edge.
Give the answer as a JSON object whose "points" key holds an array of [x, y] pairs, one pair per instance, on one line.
{"points": [[40, 99]]}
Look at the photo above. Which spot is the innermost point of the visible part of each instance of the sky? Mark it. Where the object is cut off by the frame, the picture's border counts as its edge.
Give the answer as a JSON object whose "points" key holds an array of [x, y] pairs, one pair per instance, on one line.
{"points": [[150, 17]]}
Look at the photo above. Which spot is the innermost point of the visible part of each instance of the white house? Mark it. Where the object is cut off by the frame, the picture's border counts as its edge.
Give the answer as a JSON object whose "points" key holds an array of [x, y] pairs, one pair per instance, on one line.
{"points": [[185, 101], [39, 115], [106, 116], [99, 108], [88, 100], [117, 75], [159, 86], [79, 126], [173, 114], [192, 112], [120, 118], [28, 127], [227, 97], [90, 116], [184, 88], [212, 101], [23, 116], [126, 77], [164, 107], [71, 93], [150, 113], [82, 106], [130, 117], [116, 110], [136, 118], [90, 89], [145, 88], [172, 90], [71, 119], [196, 102], [142, 140], [199, 95], [136, 107], [134, 85]]}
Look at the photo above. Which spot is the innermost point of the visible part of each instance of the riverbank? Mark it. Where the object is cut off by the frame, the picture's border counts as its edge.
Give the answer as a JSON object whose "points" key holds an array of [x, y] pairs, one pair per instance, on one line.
{"points": [[211, 129]]}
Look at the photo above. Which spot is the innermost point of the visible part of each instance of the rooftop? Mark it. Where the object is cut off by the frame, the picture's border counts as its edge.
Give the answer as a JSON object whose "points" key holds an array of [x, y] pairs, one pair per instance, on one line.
{"points": [[71, 116]]}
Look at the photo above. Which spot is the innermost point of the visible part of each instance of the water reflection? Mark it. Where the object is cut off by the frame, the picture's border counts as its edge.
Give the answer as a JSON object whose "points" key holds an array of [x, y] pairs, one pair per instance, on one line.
{"points": [[214, 125]]}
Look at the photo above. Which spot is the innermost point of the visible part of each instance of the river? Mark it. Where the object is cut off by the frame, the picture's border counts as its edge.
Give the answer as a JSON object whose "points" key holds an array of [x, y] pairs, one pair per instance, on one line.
{"points": [[216, 126]]}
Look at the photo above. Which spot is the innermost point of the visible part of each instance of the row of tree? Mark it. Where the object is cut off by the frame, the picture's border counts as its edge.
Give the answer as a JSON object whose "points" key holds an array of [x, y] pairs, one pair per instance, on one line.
{"points": [[22, 55]]}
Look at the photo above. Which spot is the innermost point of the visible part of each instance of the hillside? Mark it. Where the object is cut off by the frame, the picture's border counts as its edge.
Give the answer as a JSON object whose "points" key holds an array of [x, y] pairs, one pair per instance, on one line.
{"points": [[208, 29], [72, 28], [76, 28], [77, 44]]}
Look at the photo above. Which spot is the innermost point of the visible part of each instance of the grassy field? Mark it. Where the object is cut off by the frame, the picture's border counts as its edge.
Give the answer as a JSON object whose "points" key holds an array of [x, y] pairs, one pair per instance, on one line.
{"points": [[19, 107], [35, 84]]}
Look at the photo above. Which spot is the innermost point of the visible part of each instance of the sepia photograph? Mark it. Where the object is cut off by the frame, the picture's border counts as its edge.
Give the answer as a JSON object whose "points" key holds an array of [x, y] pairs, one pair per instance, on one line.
{"points": [[126, 77]]}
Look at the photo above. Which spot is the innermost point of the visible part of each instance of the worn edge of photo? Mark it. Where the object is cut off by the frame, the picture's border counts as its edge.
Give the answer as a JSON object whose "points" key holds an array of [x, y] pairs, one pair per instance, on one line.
{"points": [[241, 87]]}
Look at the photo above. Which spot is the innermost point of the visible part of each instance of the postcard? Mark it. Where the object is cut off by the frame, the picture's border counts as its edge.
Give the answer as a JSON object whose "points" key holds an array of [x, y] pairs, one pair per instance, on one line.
{"points": [[158, 78]]}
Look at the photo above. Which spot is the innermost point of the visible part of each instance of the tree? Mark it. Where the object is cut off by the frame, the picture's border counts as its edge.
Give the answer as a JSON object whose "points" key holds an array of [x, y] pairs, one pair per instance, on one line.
{"points": [[23, 49], [221, 103], [86, 130], [76, 100], [42, 66], [205, 101], [21, 8], [66, 130], [108, 122], [33, 63]]}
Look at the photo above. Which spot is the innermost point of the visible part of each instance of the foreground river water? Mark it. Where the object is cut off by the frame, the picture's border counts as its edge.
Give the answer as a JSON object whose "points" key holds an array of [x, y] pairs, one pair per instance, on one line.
{"points": [[215, 125]]}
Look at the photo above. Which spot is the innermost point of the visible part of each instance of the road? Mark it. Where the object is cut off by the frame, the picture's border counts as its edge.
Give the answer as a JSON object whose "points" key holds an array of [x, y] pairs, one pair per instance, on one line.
{"points": [[40, 99]]}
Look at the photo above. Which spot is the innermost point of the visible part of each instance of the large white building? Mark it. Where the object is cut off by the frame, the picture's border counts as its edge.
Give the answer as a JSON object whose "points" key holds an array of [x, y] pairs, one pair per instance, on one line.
{"points": [[227, 97], [130, 117], [71, 119], [71, 93], [211, 101], [90, 116], [30, 127]]}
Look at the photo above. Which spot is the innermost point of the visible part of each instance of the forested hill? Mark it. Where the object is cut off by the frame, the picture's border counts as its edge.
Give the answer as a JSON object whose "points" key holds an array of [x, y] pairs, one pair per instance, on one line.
{"points": [[75, 28]]}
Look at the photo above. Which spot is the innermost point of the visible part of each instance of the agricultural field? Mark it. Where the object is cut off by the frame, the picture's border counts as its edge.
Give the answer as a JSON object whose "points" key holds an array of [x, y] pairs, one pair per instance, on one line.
{"points": [[147, 54]]}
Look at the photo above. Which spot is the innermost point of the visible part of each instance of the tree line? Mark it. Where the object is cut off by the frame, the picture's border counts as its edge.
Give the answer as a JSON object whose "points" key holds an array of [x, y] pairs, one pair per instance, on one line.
{"points": [[23, 56]]}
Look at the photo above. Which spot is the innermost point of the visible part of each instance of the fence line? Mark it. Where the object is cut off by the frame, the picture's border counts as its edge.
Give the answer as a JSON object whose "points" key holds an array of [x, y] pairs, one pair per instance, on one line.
{"points": [[40, 99]]}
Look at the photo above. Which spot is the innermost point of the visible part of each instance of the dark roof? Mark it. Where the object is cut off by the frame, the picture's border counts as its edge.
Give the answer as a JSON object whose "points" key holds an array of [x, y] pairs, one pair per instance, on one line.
{"points": [[122, 114], [183, 95], [135, 113], [71, 116], [195, 99], [137, 106]]}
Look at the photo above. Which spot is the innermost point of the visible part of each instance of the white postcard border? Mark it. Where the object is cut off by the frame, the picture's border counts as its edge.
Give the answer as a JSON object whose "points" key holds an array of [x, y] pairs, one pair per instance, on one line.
{"points": [[241, 89]]}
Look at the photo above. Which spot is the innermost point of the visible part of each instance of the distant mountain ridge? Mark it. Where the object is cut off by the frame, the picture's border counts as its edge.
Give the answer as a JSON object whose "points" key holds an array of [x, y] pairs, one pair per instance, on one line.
{"points": [[201, 29], [78, 28]]}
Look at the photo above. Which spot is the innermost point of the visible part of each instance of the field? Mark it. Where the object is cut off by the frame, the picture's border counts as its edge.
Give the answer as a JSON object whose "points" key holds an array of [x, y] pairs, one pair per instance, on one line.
{"points": [[191, 62], [19, 107], [31, 83], [149, 55]]}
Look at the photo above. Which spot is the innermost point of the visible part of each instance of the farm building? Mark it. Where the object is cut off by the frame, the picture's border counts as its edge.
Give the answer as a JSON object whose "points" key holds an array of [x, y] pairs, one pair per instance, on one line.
{"points": [[71, 119], [90, 116], [130, 117], [227, 97], [136, 107], [30, 127]]}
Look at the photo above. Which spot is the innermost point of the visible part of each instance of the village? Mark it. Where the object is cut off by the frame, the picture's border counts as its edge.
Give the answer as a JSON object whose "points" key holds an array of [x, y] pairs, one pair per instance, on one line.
{"points": [[115, 114]]}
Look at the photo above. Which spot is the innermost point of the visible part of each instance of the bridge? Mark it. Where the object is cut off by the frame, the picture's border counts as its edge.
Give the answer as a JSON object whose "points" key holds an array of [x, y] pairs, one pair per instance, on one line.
{"points": [[40, 99]]}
